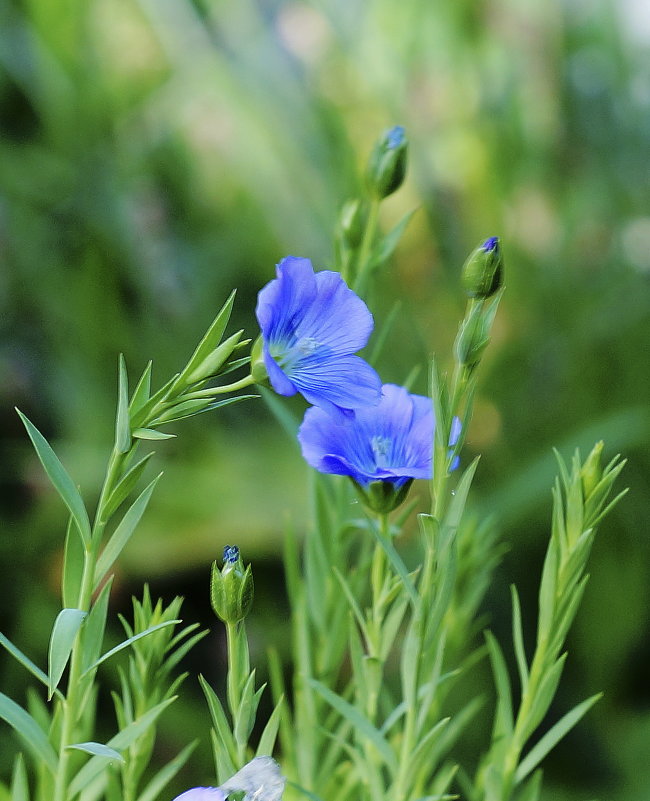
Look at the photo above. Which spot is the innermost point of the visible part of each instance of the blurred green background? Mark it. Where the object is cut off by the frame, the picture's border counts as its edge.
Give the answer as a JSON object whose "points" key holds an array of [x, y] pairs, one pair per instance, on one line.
{"points": [[156, 153]]}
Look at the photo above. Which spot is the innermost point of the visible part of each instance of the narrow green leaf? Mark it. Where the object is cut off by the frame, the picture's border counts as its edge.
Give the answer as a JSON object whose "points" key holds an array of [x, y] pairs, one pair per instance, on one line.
{"points": [[210, 340], [503, 722], [532, 788], [151, 433], [19, 782], [161, 779], [544, 696], [59, 478], [553, 736], [222, 730], [73, 565], [29, 731], [129, 642], [457, 505], [24, 660], [518, 639], [269, 734], [122, 426], [360, 723], [123, 532], [97, 749], [142, 391], [388, 244], [64, 631], [398, 565], [192, 408], [123, 489], [119, 742], [95, 626], [143, 415]]}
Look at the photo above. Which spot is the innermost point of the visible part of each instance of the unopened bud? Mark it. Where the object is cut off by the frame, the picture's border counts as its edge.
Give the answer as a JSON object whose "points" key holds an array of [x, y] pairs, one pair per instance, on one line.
{"points": [[352, 222], [231, 588], [482, 273], [387, 164]]}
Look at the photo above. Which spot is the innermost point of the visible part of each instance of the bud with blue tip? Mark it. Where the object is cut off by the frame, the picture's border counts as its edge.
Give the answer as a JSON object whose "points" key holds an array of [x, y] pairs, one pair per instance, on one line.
{"points": [[482, 273], [231, 588], [387, 164]]}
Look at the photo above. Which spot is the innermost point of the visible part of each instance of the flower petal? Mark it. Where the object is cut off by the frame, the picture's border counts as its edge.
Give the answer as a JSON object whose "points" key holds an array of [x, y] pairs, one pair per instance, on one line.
{"points": [[347, 382], [337, 318], [282, 302], [201, 794]]}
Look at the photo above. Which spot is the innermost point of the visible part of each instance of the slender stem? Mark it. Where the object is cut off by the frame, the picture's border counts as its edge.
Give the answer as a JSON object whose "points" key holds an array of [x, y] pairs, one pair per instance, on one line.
{"points": [[71, 703], [363, 262], [247, 381]]}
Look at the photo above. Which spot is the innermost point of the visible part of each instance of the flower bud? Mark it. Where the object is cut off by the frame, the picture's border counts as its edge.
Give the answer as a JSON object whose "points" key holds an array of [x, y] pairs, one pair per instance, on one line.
{"points": [[591, 471], [482, 273], [387, 163], [231, 588], [352, 222]]}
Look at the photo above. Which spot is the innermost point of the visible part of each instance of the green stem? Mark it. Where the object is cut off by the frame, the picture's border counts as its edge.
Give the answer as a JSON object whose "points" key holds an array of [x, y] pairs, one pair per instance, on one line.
{"points": [[70, 705], [247, 381]]}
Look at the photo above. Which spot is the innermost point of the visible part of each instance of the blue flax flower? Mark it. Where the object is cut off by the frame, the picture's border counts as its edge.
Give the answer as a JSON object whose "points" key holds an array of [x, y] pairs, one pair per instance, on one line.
{"points": [[382, 448], [259, 780], [312, 324]]}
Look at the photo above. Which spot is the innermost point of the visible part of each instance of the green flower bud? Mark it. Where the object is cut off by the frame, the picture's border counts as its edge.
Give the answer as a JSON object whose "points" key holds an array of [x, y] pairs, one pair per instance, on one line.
{"points": [[473, 337], [382, 496], [352, 222], [231, 588], [387, 163], [482, 273], [591, 471]]}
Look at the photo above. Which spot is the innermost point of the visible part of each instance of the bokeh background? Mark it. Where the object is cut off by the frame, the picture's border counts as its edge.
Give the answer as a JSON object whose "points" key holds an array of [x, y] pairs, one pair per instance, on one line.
{"points": [[156, 153]]}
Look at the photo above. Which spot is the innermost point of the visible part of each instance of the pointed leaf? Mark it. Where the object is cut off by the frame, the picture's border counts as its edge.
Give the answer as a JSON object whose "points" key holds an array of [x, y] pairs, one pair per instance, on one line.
{"points": [[124, 487], [503, 723], [360, 723], [269, 734], [73, 565], [24, 660], [210, 341], [64, 632], [121, 741], [142, 391], [129, 642], [98, 749], [518, 640], [19, 782], [123, 532], [29, 731], [553, 737], [122, 426], [151, 433], [59, 478], [158, 783]]}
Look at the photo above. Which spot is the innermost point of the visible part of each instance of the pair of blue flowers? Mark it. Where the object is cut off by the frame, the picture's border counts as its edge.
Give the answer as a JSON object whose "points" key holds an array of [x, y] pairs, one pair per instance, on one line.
{"points": [[312, 325]]}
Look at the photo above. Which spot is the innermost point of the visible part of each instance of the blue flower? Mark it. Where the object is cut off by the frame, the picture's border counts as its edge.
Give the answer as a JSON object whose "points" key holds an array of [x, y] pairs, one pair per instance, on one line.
{"points": [[202, 794], [382, 448], [312, 324], [259, 780]]}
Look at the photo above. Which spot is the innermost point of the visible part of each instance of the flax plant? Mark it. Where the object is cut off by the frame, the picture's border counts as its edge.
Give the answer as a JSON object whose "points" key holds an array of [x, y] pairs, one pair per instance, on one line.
{"points": [[384, 623]]}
